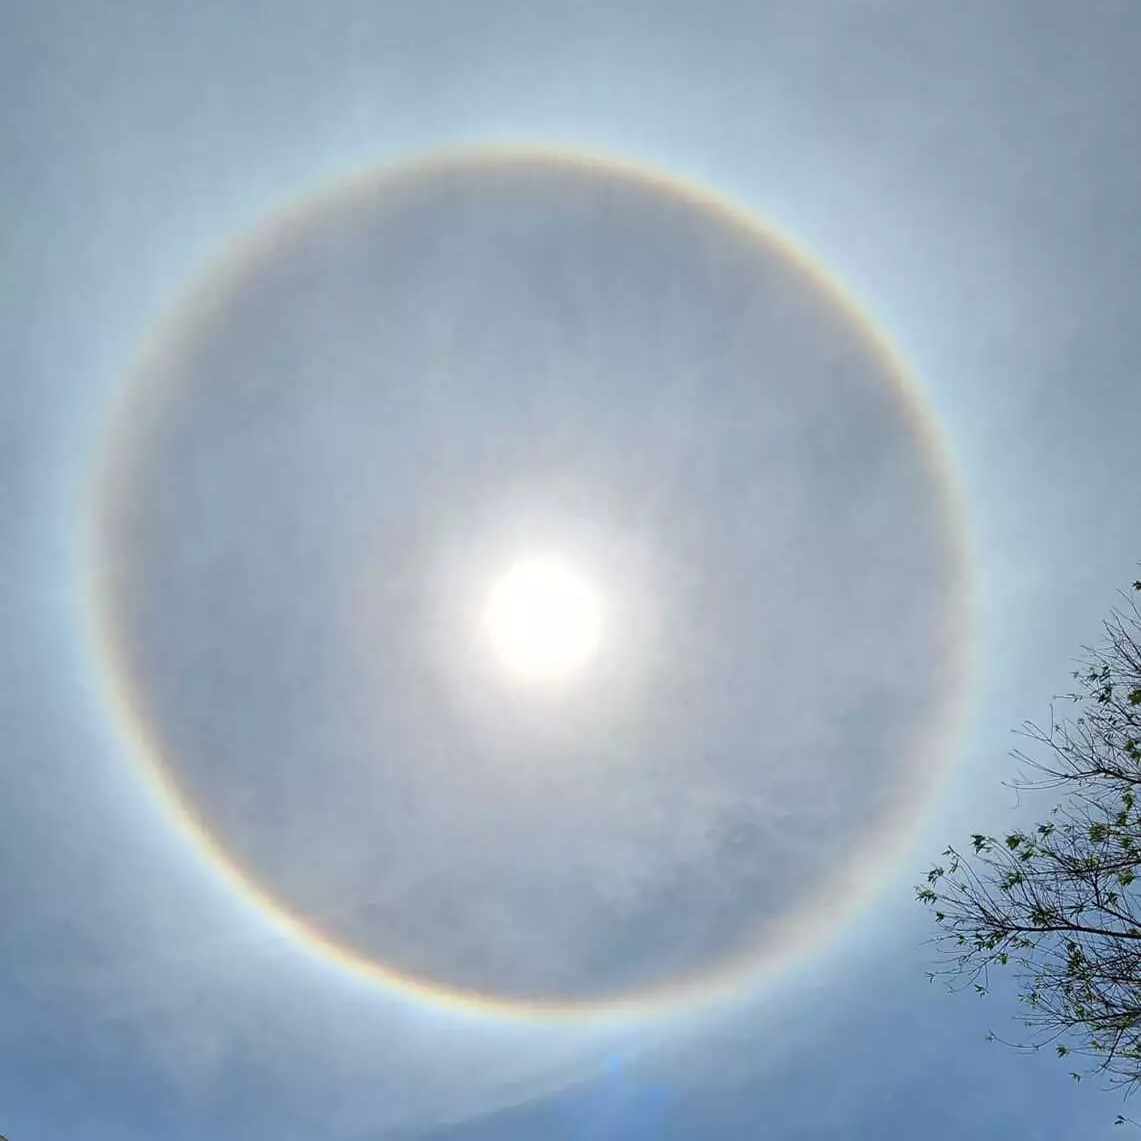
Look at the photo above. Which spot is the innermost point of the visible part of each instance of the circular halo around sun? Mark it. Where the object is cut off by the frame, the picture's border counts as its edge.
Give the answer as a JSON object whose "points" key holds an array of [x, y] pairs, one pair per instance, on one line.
{"points": [[729, 534], [543, 619]]}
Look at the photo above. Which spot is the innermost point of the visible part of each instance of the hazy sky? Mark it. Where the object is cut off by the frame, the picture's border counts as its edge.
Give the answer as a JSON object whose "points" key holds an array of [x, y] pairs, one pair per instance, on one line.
{"points": [[313, 479]]}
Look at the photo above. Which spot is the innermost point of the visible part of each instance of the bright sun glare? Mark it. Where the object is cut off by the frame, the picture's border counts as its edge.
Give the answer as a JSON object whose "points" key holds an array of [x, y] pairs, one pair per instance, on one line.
{"points": [[543, 620]]}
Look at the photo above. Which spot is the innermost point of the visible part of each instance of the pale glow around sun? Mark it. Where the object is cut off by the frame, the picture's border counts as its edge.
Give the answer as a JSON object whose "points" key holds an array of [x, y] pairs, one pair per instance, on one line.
{"points": [[543, 619]]}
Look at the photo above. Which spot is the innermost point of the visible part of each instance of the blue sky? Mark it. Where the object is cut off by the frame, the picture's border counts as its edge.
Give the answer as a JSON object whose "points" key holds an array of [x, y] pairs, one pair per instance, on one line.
{"points": [[965, 172]]}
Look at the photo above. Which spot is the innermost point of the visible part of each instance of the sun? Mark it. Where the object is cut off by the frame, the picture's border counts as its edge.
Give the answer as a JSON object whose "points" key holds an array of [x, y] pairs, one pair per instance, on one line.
{"points": [[543, 620]]}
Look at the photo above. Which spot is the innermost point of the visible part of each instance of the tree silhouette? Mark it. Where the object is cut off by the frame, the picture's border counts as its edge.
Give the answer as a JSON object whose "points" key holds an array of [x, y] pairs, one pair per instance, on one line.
{"points": [[1059, 903]]}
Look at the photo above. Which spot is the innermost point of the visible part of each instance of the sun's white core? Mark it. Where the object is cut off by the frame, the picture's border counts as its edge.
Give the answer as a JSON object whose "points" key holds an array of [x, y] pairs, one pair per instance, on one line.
{"points": [[543, 620]]}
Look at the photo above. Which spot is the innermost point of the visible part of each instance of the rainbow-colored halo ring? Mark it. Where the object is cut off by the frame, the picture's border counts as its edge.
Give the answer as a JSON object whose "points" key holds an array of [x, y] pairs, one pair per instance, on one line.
{"points": [[152, 490]]}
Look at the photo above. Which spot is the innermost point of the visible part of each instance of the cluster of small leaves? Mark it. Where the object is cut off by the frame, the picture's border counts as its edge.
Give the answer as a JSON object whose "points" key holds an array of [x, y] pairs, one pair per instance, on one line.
{"points": [[1060, 903]]}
